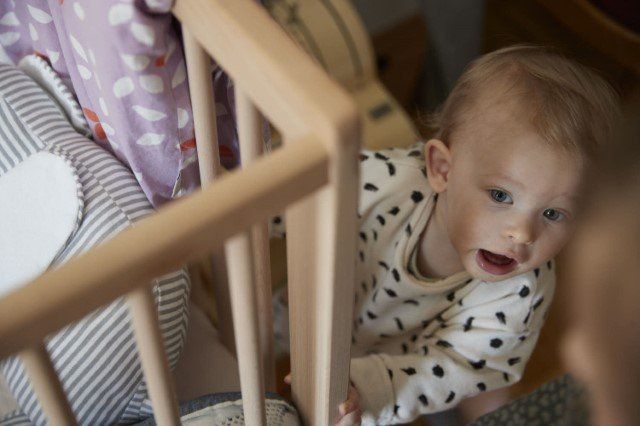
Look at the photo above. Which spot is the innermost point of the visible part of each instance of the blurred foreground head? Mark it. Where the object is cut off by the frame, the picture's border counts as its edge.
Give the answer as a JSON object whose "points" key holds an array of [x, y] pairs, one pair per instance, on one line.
{"points": [[603, 346]]}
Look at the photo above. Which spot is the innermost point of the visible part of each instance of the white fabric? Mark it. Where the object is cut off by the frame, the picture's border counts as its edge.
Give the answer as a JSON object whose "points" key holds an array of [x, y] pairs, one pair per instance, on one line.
{"points": [[40, 209], [421, 345]]}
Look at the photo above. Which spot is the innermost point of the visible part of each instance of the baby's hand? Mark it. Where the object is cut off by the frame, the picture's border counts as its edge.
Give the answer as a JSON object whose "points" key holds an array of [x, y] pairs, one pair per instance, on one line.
{"points": [[350, 411]]}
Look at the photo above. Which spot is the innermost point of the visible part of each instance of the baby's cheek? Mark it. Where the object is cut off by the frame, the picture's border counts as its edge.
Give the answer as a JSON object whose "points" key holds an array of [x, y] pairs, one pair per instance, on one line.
{"points": [[469, 229]]}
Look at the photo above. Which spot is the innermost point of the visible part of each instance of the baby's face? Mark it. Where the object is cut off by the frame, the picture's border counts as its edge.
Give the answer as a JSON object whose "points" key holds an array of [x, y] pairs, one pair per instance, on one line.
{"points": [[510, 199]]}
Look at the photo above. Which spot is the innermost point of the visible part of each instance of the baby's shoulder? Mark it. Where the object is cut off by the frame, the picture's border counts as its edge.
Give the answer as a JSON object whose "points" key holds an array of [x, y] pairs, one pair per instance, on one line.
{"points": [[410, 156], [394, 164], [390, 175]]}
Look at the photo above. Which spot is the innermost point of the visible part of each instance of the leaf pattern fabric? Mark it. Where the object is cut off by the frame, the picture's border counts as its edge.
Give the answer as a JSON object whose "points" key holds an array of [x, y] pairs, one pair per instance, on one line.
{"points": [[123, 60]]}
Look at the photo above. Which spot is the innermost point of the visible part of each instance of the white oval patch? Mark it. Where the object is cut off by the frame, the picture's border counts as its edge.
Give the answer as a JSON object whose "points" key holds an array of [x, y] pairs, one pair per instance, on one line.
{"points": [[122, 87]]}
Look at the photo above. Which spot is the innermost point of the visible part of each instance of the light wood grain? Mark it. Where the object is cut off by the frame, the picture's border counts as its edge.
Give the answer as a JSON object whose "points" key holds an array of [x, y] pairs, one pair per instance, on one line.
{"points": [[181, 232], [144, 319], [203, 105], [321, 248], [250, 126], [46, 385], [245, 318], [299, 99], [285, 84], [317, 165]]}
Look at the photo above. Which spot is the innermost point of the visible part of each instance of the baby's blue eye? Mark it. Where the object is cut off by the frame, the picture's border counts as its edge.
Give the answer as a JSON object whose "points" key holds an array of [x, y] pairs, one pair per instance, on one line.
{"points": [[500, 196], [552, 214]]}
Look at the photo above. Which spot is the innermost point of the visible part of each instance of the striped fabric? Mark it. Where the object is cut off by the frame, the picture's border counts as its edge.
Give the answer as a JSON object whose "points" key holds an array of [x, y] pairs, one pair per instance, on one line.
{"points": [[96, 358], [17, 418]]}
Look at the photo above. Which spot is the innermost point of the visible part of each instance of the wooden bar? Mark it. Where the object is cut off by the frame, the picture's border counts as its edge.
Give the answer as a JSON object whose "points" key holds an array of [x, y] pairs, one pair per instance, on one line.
{"points": [[337, 232], [181, 232], [144, 318], [320, 124], [321, 247], [250, 125], [203, 104], [302, 287], [46, 385], [245, 318], [285, 83], [320, 358], [262, 280], [205, 125]]}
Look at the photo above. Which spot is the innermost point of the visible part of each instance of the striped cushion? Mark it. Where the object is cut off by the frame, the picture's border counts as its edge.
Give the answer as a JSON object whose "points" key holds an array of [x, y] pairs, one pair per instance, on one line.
{"points": [[96, 358]]}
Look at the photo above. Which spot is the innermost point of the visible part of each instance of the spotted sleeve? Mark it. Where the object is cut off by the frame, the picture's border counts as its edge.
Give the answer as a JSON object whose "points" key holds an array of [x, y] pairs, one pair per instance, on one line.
{"points": [[384, 172], [381, 174], [480, 343]]}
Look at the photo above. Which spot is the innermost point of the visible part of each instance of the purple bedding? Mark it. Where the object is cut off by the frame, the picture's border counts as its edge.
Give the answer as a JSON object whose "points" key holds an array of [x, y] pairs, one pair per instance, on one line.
{"points": [[123, 60]]}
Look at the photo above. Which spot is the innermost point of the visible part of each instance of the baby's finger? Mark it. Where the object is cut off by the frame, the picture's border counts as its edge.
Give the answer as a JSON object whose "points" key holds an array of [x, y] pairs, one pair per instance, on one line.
{"points": [[345, 408], [353, 418], [287, 379]]}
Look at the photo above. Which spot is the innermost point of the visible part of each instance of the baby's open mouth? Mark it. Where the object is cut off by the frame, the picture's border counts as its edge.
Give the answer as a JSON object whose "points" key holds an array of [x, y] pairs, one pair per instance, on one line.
{"points": [[495, 263]]}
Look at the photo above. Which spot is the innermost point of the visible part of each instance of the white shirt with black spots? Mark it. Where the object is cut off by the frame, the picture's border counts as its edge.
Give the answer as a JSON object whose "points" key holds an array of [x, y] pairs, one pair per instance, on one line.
{"points": [[422, 345]]}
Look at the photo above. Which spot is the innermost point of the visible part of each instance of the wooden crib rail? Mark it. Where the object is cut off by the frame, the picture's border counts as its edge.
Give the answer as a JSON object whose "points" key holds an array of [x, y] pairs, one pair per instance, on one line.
{"points": [[292, 91], [301, 101], [46, 384], [314, 178], [183, 231]]}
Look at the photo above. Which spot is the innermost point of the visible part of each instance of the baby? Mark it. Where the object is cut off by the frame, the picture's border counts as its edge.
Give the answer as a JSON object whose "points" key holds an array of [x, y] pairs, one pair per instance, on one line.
{"points": [[457, 235]]}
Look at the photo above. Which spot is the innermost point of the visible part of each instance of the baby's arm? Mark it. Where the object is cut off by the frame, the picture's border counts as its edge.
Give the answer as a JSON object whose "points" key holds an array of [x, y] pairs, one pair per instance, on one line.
{"points": [[479, 346]]}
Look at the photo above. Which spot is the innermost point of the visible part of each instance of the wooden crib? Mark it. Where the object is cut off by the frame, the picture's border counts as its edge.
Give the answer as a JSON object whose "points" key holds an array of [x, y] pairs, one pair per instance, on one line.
{"points": [[313, 177]]}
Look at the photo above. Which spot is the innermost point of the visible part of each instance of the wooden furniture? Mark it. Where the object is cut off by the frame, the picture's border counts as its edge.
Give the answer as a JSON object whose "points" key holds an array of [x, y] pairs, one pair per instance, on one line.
{"points": [[333, 34], [576, 28], [314, 176], [602, 32]]}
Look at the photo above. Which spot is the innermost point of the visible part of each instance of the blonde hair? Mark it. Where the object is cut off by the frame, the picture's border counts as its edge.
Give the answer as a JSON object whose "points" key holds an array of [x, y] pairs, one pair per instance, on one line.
{"points": [[570, 106]]}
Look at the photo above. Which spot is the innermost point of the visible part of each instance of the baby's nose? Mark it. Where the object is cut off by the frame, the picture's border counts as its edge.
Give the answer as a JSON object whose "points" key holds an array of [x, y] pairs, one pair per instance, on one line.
{"points": [[521, 238], [520, 233]]}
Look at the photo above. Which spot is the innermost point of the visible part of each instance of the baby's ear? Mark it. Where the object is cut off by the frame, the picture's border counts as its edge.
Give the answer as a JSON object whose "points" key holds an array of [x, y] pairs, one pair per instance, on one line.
{"points": [[437, 159]]}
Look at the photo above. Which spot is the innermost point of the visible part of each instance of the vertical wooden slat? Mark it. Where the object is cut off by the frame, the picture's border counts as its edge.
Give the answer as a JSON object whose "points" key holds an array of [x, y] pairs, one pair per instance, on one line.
{"points": [[46, 385], [245, 319], [321, 247], [302, 283], [144, 318], [337, 229], [251, 147], [204, 116], [204, 107], [260, 239]]}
